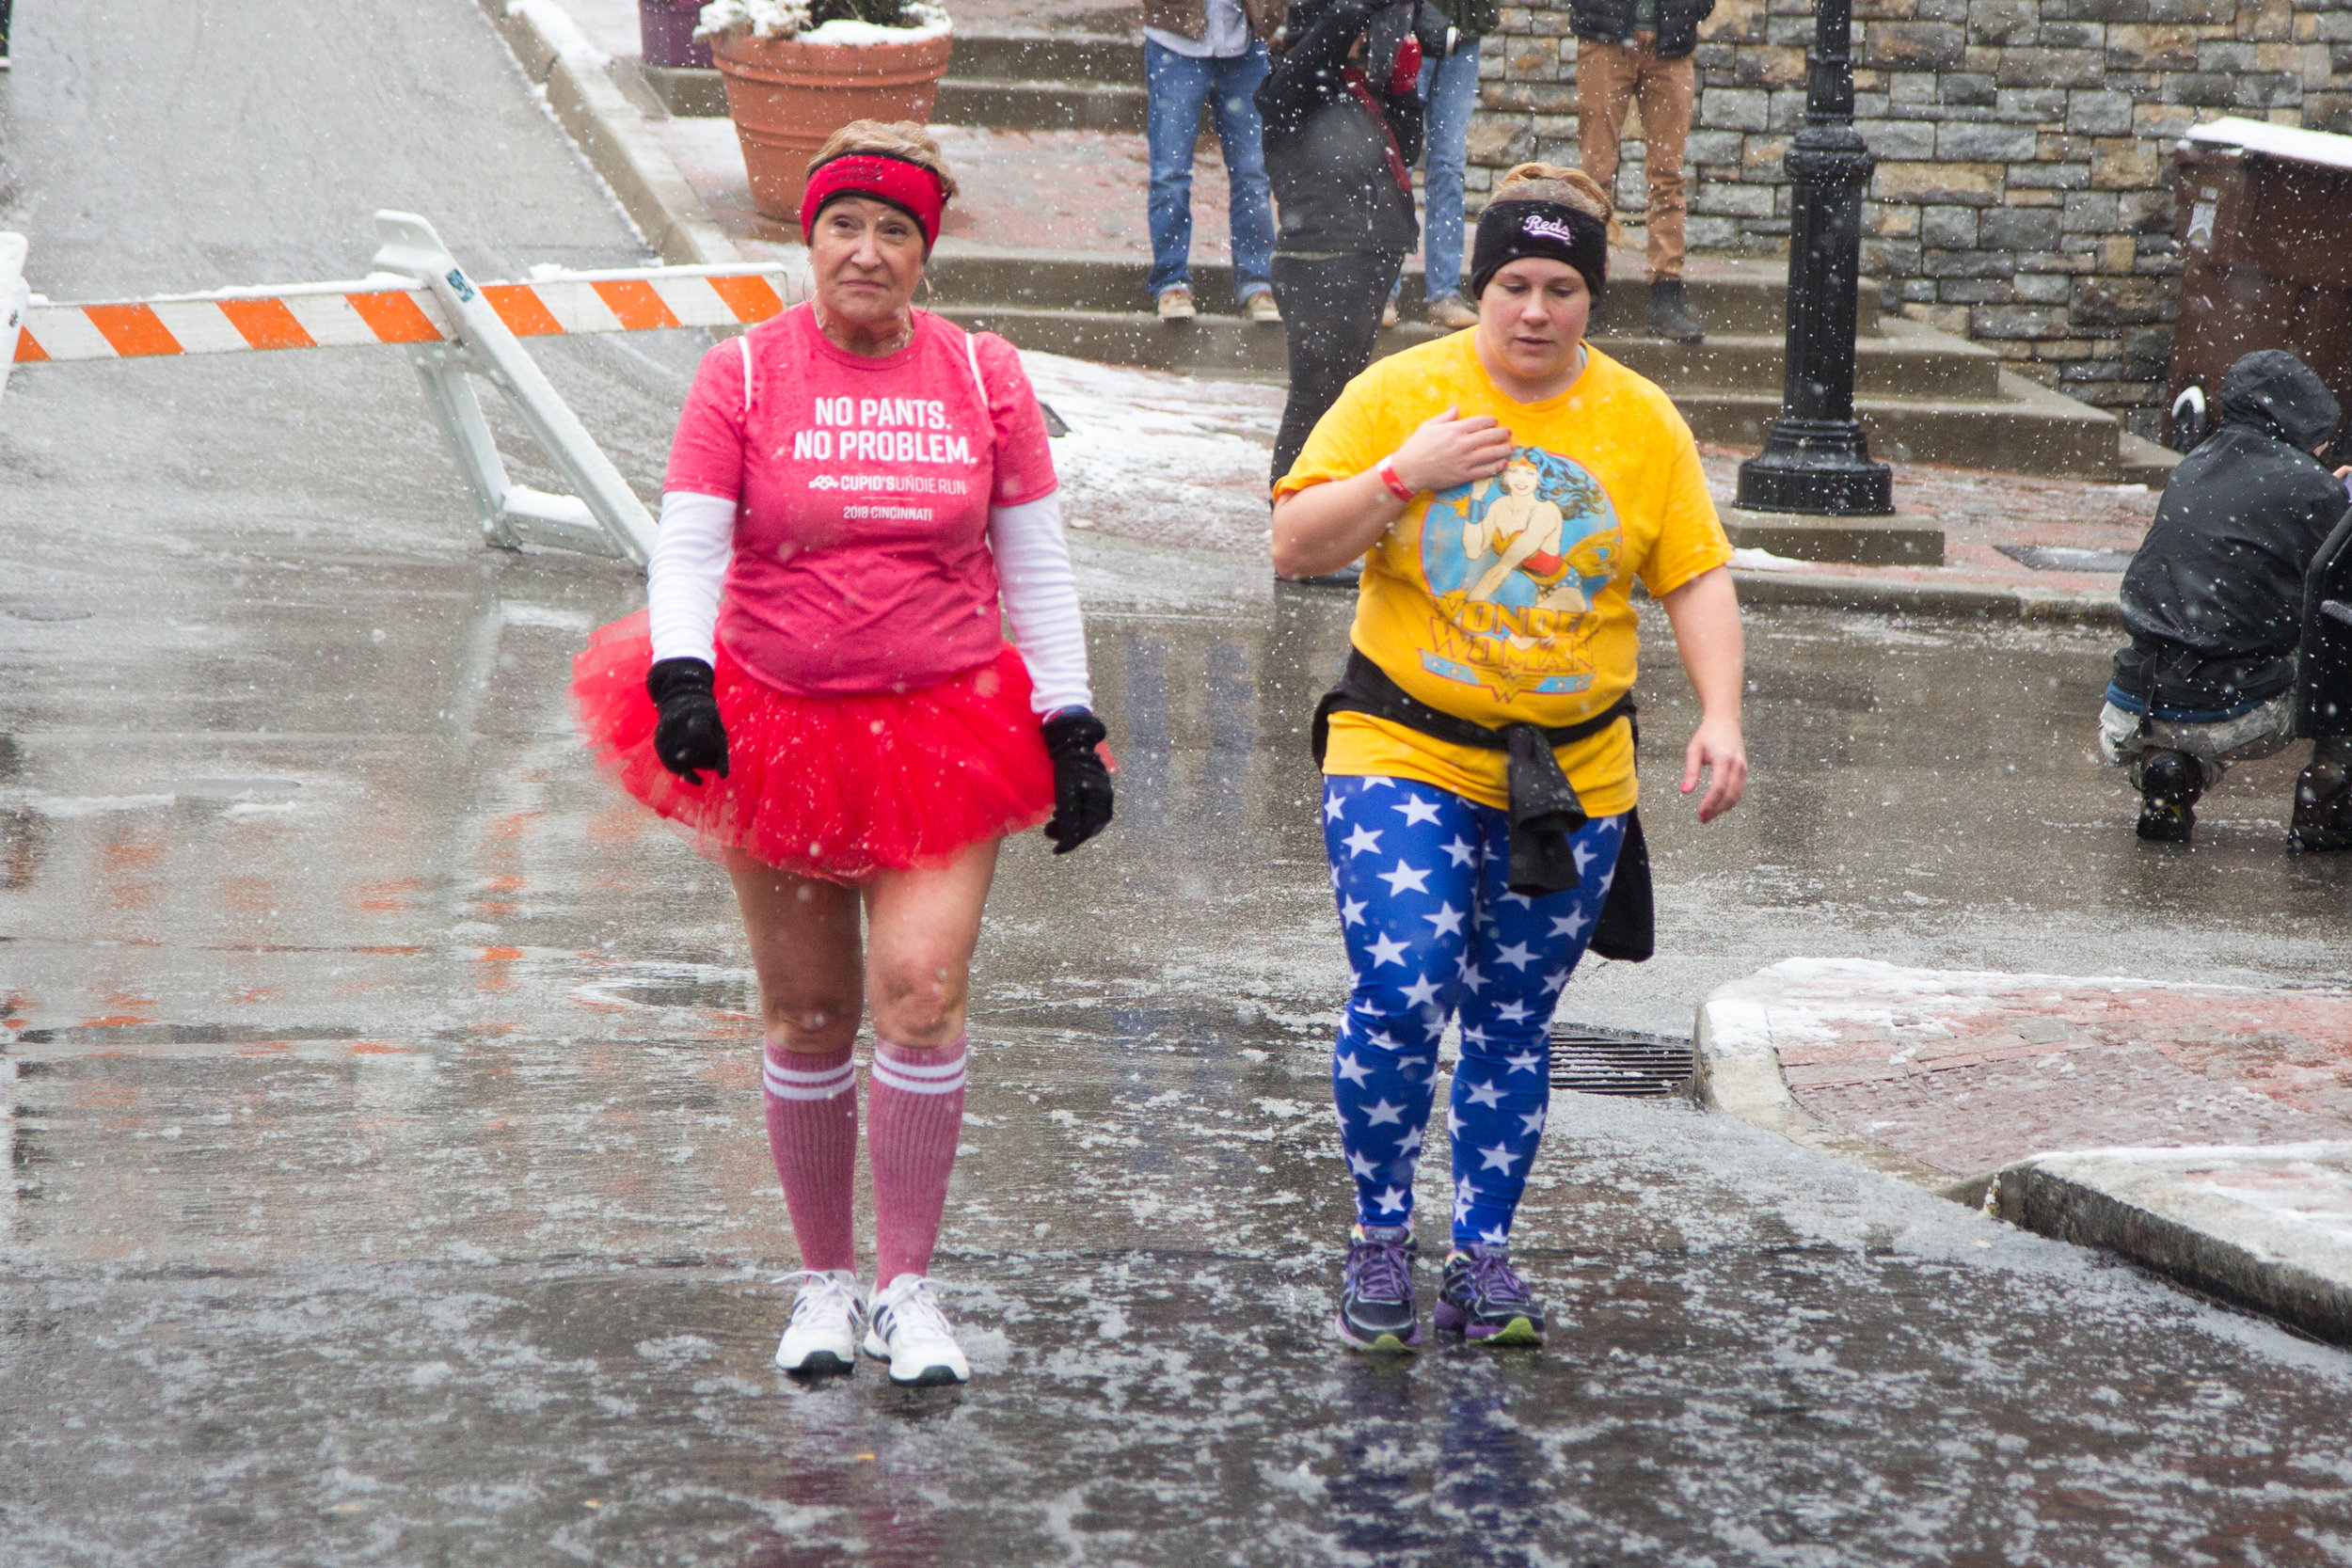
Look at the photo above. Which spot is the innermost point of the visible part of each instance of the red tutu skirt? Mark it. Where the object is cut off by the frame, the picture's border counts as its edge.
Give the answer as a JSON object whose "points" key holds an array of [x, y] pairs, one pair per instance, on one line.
{"points": [[837, 788]]}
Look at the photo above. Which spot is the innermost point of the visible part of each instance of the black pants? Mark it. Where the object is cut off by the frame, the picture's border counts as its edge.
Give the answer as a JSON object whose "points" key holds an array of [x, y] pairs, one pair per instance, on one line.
{"points": [[1330, 315]]}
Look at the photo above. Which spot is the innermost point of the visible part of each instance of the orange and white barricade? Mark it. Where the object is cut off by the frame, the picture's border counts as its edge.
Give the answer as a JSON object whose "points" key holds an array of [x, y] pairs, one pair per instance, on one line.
{"points": [[451, 329]]}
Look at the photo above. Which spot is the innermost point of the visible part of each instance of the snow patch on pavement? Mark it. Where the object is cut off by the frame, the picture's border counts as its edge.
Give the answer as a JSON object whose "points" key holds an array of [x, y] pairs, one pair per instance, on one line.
{"points": [[66, 807], [1166, 459], [1753, 560]]}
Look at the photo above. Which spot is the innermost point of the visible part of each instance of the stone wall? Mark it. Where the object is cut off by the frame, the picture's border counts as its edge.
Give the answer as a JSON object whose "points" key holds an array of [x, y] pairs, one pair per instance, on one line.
{"points": [[2024, 193]]}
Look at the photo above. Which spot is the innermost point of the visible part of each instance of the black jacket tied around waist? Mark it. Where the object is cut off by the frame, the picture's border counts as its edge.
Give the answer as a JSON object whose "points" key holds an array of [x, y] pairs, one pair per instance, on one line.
{"points": [[1545, 809]]}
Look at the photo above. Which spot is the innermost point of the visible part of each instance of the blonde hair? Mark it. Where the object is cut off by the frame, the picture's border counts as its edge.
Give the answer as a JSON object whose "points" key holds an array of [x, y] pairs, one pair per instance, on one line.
{"points": [[1571, 187], [895, 139]]}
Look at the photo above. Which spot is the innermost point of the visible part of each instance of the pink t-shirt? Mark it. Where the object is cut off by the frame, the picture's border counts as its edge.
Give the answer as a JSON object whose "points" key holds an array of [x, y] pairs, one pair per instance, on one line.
{"points": [[862, 489]]}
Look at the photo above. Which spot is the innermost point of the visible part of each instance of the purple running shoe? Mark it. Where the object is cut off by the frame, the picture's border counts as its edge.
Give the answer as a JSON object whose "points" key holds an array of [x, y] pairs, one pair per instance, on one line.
{"points": [[1376, 1290], [1484, 1300]]}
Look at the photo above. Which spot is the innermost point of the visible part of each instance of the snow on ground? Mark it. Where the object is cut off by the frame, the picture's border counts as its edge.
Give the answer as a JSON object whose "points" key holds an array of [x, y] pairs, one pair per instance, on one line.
{"points": [[1162, 458]]}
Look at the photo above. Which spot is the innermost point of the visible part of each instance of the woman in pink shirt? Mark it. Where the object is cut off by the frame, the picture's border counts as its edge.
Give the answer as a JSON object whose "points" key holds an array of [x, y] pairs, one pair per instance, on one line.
{"points": [[820, 693]]}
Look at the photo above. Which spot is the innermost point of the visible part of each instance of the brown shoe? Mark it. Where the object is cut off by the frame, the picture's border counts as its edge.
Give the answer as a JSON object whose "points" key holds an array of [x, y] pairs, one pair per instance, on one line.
{"points": [[1260, 306], [1387, 313], [1454, 313], [1176, 304]]}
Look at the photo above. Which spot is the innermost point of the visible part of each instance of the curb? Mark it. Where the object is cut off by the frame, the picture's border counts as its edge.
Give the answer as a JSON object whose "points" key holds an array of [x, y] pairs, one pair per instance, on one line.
{"points": [[2146, 1204], [1908, 597], [610, 132], [1903, 539], [1735, 1070], [2209, 1217]]}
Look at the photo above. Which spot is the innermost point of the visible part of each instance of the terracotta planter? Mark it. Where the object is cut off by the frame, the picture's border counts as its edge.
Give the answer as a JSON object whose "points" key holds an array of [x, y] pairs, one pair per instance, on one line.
{"points": [[786, 97], [665, 29]]}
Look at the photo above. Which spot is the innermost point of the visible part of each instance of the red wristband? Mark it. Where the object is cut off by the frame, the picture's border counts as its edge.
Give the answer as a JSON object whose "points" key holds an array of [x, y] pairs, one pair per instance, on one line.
{"points": [[1385, 468]]}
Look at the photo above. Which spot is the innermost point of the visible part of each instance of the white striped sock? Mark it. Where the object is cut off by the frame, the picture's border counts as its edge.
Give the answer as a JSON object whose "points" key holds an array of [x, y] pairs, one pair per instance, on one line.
{"points": [[924, 1078], [793, 1084]]}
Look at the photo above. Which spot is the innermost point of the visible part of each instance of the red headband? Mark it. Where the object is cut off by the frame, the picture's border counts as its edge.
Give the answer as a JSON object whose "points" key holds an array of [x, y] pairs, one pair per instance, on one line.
{"points": [[902, 182]]}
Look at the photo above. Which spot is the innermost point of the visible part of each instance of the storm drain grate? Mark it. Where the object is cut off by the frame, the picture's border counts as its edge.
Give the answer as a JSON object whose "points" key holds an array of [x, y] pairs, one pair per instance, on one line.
{"points": [[1593, 1061]]}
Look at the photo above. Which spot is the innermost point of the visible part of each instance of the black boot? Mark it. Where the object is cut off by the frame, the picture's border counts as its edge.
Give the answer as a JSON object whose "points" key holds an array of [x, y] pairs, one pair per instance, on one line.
{"points": [[1670, 314], [2323, 804], [2169, 783]]}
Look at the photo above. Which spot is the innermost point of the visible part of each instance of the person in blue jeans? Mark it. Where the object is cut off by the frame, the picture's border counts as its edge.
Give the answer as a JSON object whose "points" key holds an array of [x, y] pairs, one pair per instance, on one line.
{"points": [[1449, 88], [1198, 54]]}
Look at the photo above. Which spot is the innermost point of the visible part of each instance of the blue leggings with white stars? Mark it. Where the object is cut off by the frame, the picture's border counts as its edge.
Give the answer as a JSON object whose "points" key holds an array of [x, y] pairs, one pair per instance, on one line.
{"points": [[1433, 931]]}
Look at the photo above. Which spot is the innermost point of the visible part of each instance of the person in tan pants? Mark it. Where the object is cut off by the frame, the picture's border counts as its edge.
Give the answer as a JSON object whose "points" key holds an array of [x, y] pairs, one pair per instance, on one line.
{"points": [[1640, 51]]}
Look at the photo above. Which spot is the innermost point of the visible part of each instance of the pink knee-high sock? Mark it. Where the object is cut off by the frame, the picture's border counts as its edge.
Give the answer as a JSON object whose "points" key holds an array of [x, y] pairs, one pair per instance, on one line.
{"points": [[915, 1112], [812, 1132]]}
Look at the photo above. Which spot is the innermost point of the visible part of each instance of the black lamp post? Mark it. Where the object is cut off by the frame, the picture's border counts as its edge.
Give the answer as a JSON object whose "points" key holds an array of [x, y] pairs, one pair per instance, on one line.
{"points": [[1815, 457]]}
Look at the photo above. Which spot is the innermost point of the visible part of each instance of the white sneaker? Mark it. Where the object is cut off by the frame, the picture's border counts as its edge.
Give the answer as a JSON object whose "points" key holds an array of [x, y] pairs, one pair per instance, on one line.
{"points": [[827, 1318], [910, 1332]]}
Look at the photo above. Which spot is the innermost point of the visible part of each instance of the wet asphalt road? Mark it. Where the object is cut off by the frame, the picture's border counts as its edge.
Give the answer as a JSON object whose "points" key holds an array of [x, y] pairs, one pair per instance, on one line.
{"points": [[387, 1181]]}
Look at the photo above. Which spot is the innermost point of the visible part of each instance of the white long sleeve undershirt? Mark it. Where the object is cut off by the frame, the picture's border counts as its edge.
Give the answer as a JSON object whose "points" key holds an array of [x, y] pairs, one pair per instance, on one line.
{"points": [[696, 538], [689, 566], [1040, 595]]}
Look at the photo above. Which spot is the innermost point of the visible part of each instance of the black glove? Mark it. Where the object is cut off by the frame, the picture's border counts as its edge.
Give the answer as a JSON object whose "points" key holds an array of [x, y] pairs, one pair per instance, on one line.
{"points": [[690, 737], [1082, 785]]}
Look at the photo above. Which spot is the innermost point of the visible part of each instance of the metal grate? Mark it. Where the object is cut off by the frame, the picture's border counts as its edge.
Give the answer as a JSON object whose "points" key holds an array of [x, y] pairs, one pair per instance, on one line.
{"points": [[1596, 1061]]}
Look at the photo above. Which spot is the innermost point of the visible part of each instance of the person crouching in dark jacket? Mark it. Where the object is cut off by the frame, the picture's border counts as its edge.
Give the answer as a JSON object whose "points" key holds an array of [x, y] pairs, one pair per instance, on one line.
{"points": [[2213, 599], [1342, 129]]}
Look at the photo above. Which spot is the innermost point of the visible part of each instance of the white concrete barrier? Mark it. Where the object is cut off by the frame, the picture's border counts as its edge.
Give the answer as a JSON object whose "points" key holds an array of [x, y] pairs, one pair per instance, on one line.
{"points": [[452, 328], [13, 296]]}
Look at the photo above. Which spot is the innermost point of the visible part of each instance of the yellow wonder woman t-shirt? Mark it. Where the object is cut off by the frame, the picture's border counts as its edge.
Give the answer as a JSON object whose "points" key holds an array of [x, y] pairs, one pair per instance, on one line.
{"points": [[1508, 600]]}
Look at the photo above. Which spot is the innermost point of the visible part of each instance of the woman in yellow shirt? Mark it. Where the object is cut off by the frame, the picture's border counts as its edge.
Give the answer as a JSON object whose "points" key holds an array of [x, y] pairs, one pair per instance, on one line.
{"points": [[1504, 487]]}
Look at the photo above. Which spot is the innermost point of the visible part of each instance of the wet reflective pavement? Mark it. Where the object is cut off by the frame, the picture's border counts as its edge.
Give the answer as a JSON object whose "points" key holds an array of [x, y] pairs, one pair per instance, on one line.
{"points": [[389, 1184], [386, 1173]]}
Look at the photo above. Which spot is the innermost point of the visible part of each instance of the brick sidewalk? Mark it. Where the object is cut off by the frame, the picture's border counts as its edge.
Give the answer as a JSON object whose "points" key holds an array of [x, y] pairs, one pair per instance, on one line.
{"points": [[1979, 511], [1965, 1072], [2203, 1130]]}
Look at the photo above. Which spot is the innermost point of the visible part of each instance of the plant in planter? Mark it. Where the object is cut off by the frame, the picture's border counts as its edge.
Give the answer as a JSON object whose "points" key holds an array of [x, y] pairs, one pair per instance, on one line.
{"points": [[797, 70]]}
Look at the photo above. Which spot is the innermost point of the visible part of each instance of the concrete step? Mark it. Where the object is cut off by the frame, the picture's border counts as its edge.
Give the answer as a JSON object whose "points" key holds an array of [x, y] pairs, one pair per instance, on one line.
{"points": [[1102, 58], [1734, 297], [1940, 366], [1009, 84], [2014, 425], [1897, 541], [2146, 462], [2028, 430], [1221, 343], [1039, 106], [1227, 346], [682, 92]]}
